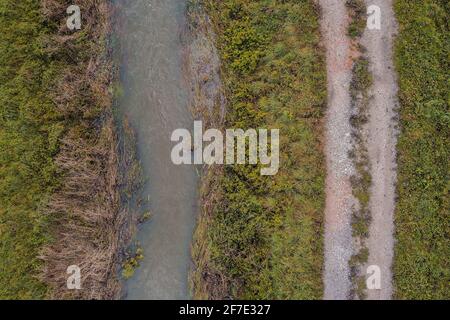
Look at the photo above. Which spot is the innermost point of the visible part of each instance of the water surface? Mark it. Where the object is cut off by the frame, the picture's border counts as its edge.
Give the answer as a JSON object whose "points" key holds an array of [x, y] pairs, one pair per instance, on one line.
{"points": [[155, 100]]}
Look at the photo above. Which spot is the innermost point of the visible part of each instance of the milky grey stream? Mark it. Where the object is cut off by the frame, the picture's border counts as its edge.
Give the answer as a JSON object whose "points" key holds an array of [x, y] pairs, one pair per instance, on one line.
{"points": [[156, 101]]}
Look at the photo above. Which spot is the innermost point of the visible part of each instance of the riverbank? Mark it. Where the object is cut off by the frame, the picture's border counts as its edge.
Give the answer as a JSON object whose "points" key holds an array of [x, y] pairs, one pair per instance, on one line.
{"points": [[61, 203], [261, 237]]}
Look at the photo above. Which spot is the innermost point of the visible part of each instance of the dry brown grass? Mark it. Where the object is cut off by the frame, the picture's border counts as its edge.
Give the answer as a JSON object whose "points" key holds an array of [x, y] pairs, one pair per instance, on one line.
{"points": [[202, 68], [206, 281], [90, 228]]}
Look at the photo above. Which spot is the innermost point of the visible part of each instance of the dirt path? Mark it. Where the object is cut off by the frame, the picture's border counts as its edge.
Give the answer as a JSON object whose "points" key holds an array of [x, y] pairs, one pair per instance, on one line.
{"points": [[381, 145], [339, 202], [381, 142]]}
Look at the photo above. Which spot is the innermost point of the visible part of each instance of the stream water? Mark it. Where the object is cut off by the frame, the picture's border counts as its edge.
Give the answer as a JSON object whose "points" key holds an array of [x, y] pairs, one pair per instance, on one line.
{"points": [[155, 100]]}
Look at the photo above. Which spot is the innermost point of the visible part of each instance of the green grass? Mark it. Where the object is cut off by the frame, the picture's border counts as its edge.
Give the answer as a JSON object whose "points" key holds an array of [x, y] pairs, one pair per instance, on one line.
{"points": [[29, 130], [422, 265], [357, 12], [262, 236], [53, 85], [362, 179]]}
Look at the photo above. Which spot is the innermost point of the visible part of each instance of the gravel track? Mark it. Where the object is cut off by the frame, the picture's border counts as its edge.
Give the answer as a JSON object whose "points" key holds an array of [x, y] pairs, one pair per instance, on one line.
{"points": [[381, 145], [381, 135], [339, 200]]}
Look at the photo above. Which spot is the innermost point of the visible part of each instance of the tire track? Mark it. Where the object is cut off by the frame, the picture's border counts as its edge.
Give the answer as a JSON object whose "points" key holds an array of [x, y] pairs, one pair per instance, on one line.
{"points": [[339, 200], [381, 145]]}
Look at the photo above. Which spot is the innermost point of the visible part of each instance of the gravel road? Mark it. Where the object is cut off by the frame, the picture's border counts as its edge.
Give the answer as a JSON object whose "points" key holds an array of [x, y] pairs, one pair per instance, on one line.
{"points": [[381, 145], [339, 201]]}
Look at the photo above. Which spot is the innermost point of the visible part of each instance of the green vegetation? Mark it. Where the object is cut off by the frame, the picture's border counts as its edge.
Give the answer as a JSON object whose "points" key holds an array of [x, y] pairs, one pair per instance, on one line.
{"points": [[59, 156], [422, 265], [361, 181], [261, 237], [132, 263], [29, 132], [361, 82], [357, 12]]}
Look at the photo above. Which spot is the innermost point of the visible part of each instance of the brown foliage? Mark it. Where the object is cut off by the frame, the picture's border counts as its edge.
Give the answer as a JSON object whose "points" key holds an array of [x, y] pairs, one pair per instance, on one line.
{"points": [[89, 226]]}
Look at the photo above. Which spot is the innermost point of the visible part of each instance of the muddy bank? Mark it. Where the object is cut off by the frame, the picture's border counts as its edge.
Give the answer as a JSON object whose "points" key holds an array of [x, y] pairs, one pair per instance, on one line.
{"points": [[208, 104]]}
